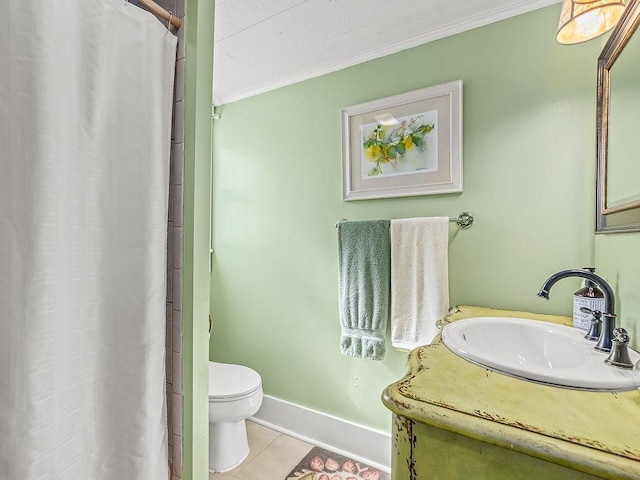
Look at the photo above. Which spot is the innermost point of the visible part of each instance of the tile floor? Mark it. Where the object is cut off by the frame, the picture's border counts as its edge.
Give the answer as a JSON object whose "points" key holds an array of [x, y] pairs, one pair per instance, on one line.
{"points": [[273, 455]]}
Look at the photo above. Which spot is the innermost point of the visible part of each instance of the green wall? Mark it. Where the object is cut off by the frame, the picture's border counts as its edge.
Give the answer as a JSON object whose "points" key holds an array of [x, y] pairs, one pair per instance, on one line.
{"points": [[529, 109], [618, 261], [195, 288]]}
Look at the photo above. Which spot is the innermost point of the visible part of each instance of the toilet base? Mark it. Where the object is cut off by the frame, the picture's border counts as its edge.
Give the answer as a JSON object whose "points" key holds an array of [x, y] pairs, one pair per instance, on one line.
{"points": [[228, 445]]}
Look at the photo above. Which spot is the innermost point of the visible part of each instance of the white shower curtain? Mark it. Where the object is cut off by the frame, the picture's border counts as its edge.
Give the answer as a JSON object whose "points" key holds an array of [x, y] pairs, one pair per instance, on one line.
{"points": [[85, 127]]}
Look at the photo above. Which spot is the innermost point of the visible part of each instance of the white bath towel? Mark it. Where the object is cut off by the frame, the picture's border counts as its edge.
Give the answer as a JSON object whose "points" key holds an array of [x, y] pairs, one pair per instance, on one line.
{"points": [[419, 279]]}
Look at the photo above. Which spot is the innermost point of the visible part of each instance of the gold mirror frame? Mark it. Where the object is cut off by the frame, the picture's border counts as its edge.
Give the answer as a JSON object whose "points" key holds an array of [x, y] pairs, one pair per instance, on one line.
{"points": [[624, 217]]}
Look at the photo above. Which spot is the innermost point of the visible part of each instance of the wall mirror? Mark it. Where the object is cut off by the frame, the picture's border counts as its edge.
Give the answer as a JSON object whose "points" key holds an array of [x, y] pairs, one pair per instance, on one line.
{"points": [[617, 112]]}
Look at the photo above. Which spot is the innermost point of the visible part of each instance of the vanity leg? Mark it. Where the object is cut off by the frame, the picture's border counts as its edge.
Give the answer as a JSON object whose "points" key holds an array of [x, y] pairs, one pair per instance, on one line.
{"points": [[404, 441]]}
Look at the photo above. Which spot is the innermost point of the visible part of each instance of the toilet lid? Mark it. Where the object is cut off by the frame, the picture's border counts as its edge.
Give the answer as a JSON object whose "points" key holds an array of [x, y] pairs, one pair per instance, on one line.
{"points": [[228, 380]]}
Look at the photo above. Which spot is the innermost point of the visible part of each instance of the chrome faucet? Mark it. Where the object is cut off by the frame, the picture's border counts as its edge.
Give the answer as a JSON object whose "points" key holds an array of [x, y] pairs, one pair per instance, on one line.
{"points": [[605, 341]]}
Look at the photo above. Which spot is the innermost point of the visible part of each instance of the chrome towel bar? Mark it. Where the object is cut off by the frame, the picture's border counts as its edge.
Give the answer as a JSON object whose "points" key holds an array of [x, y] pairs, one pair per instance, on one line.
{"points": [[464, 220]]}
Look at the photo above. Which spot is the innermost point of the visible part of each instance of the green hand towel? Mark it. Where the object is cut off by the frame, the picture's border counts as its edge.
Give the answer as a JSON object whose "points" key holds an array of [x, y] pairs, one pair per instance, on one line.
{"points": [[364, 259]]}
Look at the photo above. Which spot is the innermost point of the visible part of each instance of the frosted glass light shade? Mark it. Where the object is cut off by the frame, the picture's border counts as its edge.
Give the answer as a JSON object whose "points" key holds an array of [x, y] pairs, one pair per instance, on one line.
{"points": [[582, 20]]}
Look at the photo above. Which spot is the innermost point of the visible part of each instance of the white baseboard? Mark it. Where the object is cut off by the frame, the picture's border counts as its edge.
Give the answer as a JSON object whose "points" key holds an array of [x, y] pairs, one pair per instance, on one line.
{"points": [[332, 433]]}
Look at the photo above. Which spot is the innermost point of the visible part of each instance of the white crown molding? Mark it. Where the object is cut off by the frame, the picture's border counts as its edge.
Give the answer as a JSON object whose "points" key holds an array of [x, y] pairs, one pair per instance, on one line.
{"points": [[516, 8]]}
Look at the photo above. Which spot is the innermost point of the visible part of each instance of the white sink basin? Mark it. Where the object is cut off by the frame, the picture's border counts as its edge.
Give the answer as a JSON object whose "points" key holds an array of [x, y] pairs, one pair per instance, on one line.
{"points": [[536, 351]]}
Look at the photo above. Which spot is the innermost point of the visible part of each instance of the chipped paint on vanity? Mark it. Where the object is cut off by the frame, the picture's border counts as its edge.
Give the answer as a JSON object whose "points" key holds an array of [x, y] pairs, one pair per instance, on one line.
{"points": [[556, 424], [404, 445]]}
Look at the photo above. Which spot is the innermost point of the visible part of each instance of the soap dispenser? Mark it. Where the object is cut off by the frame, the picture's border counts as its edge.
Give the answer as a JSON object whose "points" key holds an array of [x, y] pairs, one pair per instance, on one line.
{"points": [[589, 296]]}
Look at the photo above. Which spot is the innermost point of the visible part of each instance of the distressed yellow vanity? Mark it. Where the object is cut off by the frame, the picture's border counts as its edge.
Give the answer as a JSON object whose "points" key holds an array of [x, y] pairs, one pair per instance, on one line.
{"points": [[456, 420]]}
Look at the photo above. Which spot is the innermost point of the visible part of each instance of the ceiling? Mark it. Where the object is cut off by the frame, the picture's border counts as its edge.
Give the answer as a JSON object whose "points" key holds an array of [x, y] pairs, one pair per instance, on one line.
{"points": [[261, 45]]}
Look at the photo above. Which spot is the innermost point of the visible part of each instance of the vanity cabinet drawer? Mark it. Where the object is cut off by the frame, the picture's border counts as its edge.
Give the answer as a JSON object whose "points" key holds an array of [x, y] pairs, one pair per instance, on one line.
{"points": [[422, 452]]}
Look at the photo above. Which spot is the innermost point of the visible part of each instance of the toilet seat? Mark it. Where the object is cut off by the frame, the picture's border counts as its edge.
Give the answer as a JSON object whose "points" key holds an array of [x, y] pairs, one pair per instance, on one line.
{"points": [[232, 382]]}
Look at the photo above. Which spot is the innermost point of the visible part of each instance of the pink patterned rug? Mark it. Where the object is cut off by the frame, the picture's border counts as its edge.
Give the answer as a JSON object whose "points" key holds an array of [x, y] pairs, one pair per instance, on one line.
{"points": [[321, 464]]}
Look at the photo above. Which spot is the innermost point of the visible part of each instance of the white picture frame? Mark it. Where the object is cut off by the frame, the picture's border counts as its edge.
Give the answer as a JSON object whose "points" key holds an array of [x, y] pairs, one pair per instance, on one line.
{"points": [[404, 145]]}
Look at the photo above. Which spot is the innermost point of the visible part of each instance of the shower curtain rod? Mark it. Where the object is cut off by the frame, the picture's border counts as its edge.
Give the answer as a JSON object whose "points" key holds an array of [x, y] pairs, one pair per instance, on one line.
{"points": [[158, 10]]}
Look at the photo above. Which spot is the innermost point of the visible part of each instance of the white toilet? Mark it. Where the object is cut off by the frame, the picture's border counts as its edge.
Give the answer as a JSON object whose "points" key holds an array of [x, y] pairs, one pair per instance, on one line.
{"points": [[235, 394]]}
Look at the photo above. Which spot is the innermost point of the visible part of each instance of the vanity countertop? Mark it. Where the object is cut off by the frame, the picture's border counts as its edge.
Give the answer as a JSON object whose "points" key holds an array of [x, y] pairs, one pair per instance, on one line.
{"points": [[593, 432]]}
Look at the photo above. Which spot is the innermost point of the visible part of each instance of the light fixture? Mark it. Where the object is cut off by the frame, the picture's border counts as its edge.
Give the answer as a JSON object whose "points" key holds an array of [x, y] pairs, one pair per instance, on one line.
{"points": [[582, 20]]}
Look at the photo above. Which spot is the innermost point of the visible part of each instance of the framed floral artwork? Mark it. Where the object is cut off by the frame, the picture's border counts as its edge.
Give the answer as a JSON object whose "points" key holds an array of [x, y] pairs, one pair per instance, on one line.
{"points": [[407, 144]]}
